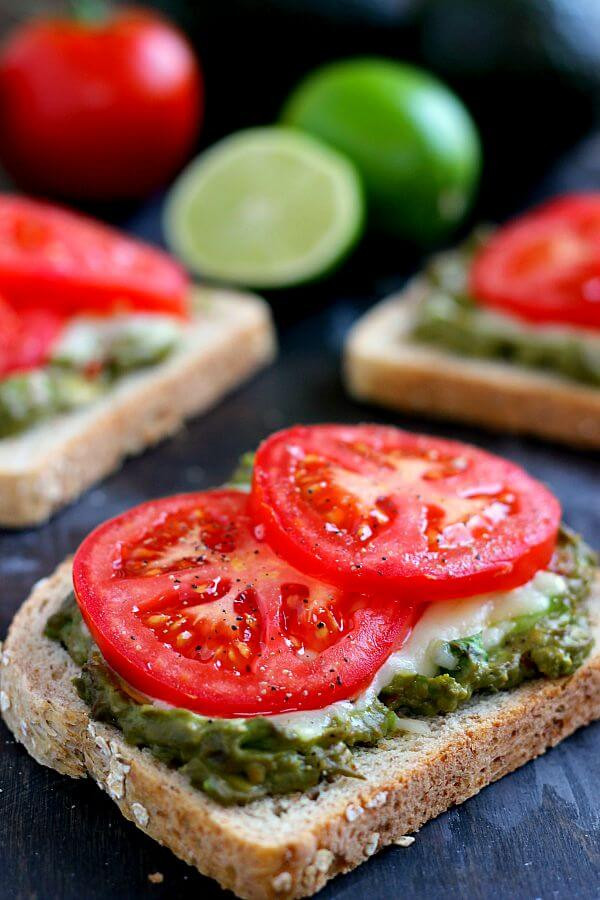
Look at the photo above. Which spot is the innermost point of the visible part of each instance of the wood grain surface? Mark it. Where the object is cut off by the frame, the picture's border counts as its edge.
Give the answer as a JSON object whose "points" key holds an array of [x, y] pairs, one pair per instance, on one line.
{"points": [[535, 834]]}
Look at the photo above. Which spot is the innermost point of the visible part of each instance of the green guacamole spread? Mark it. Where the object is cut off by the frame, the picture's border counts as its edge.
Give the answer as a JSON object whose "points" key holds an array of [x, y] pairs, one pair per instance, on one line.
{"points": [[85, 365], [448, 316], [239, 760]]}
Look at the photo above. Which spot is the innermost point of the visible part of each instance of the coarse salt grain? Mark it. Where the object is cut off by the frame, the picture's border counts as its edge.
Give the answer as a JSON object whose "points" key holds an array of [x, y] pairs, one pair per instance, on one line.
{"points": [[115, 782], [282, 882], [413, 726], [140, 814], [353, 812], [405, 840], [323, 860], [371, 845], [98, 740], [377, 800]]}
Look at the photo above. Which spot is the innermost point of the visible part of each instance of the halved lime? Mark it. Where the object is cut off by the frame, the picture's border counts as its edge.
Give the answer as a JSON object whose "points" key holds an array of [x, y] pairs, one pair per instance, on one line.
{"points": [[266, 208]]}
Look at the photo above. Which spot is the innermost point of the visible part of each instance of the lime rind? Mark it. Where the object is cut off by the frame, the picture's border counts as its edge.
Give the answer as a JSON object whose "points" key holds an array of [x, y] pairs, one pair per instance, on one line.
{"points": [[265, 208], [410, 137]]}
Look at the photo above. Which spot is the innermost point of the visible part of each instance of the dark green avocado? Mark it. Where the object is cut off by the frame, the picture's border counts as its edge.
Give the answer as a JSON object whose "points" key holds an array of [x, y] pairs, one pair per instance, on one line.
{"points": [[239, 760], [449, 317], [66, 384]]}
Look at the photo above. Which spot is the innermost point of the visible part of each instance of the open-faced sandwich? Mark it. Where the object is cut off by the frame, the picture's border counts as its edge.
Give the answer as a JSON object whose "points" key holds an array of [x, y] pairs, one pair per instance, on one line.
{"points": [[278, 678], [105, 347], [503, 332]]}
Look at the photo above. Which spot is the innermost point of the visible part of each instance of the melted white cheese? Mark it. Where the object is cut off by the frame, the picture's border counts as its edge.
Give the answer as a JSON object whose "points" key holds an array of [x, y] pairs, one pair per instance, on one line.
{"points": [[87, 339], [448, 620]]}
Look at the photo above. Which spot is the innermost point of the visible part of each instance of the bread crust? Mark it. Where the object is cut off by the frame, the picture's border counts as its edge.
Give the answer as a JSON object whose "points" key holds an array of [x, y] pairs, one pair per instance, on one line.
{"points": [[384, 365], [283, 847], [51, 464]]}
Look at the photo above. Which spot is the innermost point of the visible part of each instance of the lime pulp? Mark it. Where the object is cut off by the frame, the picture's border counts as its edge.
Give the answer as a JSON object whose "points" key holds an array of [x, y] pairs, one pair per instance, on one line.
{"points": [[265, 208]]}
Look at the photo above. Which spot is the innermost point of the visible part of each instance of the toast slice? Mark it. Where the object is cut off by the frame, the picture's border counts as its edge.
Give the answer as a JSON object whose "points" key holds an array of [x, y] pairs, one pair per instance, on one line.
{"points": [[283, 847], [385, 365], [52, 463]]}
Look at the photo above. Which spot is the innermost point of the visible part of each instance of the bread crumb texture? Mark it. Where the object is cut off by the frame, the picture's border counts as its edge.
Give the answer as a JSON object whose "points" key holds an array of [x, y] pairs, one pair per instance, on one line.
{"points": [[288, 846], [384, 365], [52, 463]]}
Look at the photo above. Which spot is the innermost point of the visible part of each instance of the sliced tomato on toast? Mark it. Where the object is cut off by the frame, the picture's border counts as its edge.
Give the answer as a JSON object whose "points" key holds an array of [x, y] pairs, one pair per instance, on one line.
{"points": [[374, 508], [62, 261], [189, 605], [26, 338], [545, 266]]}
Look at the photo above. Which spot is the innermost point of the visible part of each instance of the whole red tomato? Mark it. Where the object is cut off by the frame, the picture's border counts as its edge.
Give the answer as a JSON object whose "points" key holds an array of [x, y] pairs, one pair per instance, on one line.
{"points": [[100, 110]]}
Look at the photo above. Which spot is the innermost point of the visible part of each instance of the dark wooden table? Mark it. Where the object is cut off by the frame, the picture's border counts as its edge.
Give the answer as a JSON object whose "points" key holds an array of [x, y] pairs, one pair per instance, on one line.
{"points": [[535, 834]]}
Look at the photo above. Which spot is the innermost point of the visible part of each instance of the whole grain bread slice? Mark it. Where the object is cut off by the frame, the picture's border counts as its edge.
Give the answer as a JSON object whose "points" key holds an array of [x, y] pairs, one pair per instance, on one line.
{"points": [[230, 338], [383, 364], [283, 847]]}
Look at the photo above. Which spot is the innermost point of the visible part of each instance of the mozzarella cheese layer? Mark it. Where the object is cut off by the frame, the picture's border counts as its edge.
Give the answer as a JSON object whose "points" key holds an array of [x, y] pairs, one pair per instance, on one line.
{"points": [[491, 615], [89, 339]]}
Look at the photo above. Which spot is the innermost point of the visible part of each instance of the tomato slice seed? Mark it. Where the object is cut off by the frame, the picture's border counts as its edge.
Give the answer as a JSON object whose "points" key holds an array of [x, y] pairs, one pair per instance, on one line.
{"points": [[73, 264], [544, 267], [373, 508], [190, 607]]}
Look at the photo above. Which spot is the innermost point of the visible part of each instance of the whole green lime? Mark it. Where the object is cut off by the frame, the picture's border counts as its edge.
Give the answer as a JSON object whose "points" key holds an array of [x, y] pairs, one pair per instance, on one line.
{"points": [[410, 137]]}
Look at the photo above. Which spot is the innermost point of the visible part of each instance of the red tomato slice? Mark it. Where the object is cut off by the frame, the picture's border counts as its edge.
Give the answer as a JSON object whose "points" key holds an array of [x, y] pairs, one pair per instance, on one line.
{"points": [[26, 338], [374, 508], [545, 266], [62, 261], [190, 606]]}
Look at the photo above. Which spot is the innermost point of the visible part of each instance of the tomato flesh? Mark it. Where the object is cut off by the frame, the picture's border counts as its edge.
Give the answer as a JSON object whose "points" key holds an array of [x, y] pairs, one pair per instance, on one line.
{"points": [[26, 338], [545, 266], [100, 108], [376, 508], [189, 605], [70, 264]]}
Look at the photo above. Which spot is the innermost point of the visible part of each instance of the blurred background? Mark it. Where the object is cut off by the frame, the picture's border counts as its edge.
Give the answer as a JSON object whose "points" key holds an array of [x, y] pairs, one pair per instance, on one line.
{"points": [[104, 115], [527, 70]]}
